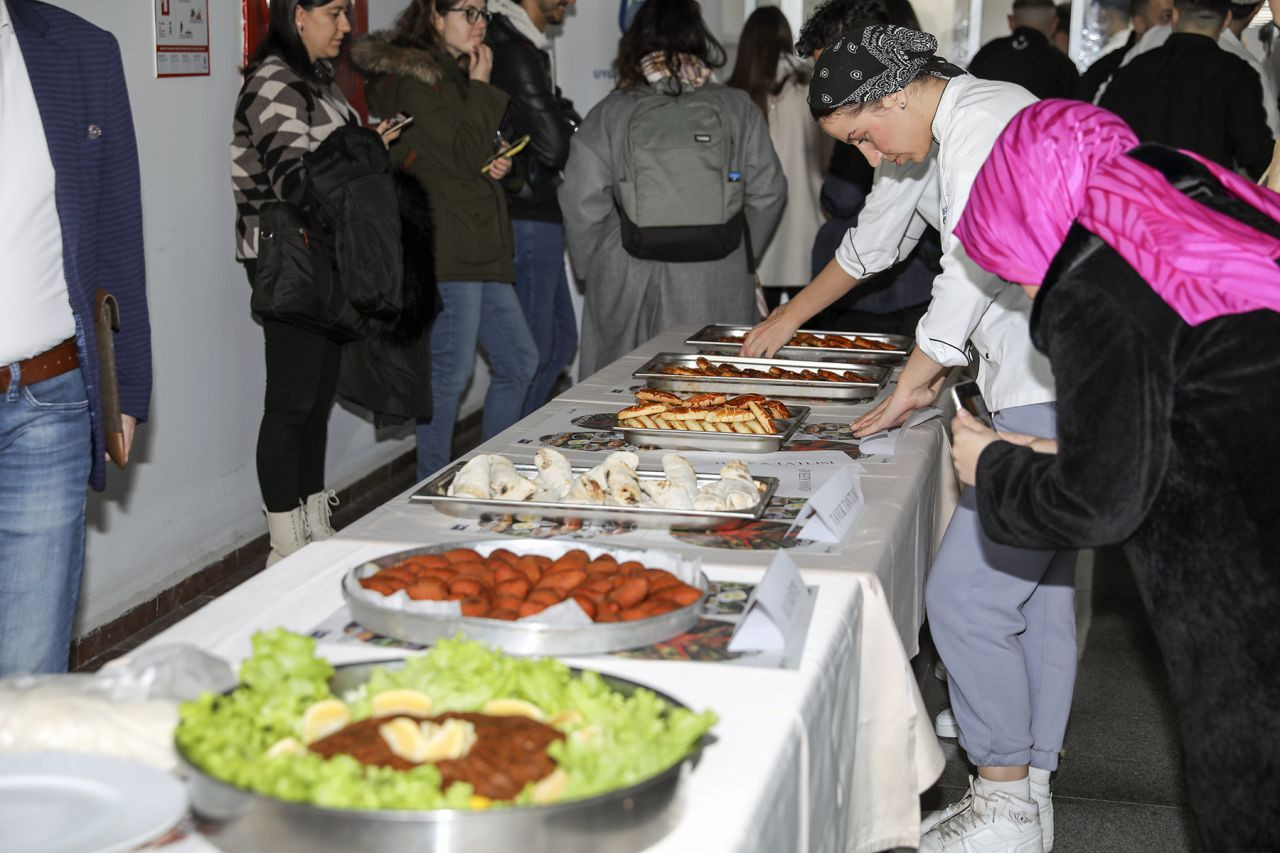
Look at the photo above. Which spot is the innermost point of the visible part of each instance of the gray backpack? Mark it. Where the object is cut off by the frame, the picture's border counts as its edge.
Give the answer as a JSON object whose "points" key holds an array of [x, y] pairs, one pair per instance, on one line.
{"points": [[681, 195]]}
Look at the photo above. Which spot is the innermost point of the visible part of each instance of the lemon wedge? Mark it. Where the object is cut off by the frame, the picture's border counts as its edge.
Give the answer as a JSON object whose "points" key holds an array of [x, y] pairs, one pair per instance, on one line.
{"points": [[513, 708], [428, 741], [568, 717], [401, 702], [551, 787], [405, 738], [285, 746], [480, 803], [323, 719], [452, 739]]}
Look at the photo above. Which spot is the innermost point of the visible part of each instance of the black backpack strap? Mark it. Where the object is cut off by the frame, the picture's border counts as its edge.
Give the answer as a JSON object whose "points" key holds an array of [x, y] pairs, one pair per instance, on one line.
{"points": [[1195, 181]]}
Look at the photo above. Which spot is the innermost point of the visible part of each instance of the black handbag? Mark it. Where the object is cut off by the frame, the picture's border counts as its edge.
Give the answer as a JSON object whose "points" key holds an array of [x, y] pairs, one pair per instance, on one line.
{"points": [[296, 280]]}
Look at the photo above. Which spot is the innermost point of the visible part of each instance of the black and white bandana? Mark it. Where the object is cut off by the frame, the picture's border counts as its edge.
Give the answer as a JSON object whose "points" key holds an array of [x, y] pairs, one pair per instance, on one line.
{"points": [[872, 62]]}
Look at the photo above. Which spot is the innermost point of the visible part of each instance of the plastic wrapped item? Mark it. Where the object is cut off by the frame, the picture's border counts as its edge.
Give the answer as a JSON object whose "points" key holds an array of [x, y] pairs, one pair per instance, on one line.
{"points": [[128, 709]]}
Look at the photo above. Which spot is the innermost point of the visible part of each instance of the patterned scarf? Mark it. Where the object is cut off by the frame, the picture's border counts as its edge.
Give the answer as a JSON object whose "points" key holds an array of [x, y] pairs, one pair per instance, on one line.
{"points": [[873, 62], [692, 71], [1060, 162]]}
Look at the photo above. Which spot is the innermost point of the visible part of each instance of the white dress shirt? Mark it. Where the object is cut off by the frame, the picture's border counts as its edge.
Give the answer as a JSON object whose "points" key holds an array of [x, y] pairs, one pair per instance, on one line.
{"points": [[1228, 42], [35, 312], [968, 303]]}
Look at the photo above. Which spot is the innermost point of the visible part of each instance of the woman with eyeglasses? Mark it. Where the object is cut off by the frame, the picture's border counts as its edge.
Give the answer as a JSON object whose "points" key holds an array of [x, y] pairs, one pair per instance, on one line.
{"points": [[434, 65]]}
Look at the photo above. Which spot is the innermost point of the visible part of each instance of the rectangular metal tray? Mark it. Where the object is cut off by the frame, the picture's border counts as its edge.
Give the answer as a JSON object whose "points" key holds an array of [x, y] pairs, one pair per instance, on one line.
{"points": [[707, 340], [729, 442], [823, 390], [434, 492]]}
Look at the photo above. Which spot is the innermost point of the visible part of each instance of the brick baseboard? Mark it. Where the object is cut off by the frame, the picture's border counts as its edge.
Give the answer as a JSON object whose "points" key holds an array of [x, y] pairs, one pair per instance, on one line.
{"points": [[228, 571]]}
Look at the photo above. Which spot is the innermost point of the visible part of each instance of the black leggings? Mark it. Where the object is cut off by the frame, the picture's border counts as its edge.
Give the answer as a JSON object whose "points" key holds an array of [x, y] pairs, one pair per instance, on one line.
{"points": [[302, 379]]}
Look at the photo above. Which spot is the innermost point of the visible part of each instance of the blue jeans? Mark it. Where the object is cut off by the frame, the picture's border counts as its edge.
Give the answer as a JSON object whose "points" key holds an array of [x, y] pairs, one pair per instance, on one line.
{"points": [[543, 290], [487, 313], [44, 474]]}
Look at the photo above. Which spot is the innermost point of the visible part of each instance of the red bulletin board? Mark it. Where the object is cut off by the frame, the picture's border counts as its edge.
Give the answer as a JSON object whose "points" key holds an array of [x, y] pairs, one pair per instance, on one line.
{"points": [[253, 15]]}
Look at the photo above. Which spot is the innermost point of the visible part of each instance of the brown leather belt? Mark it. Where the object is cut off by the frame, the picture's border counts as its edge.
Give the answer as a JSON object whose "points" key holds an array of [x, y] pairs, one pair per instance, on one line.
{"points": [[46, 365]]}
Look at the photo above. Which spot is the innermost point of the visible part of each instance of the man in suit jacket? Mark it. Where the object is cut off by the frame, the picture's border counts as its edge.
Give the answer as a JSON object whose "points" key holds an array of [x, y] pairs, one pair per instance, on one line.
{"points": [[70, 222]]}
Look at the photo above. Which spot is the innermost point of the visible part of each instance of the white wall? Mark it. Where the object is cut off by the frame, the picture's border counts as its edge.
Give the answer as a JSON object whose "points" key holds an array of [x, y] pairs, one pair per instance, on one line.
{"points": [[191, 492]]}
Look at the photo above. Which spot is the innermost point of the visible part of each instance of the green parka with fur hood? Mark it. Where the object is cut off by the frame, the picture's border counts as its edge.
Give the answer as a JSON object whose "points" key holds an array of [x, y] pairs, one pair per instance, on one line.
{"points": [[454, 124]]}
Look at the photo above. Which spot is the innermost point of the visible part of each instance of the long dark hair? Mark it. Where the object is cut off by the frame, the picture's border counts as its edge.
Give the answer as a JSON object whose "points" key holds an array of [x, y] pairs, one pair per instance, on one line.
{"points": [[282, 40], [414, 28], [669, 27], [765, 39]]}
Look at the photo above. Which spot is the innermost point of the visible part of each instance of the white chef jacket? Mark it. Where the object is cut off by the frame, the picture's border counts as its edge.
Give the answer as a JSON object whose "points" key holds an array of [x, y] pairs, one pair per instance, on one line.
{"points": [[968, 303]]}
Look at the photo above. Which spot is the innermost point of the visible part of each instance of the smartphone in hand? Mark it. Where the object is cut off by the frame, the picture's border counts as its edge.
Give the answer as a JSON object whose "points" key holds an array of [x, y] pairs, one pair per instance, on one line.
{"points": [[514, 149], [967, 396], [399, 121]]}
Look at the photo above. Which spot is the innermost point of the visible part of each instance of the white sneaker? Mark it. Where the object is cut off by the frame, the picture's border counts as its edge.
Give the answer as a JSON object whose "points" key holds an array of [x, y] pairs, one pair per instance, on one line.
{"points": [[994, 823], [932, 819], [944, 725], [1043, 798]]}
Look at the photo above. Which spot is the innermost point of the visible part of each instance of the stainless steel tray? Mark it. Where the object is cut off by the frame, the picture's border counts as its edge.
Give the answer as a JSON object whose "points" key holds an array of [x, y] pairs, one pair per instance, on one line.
{"points": [[730, 442], [628, 819], [649, 372], [522, 637], [434, 492], [707, 340]]}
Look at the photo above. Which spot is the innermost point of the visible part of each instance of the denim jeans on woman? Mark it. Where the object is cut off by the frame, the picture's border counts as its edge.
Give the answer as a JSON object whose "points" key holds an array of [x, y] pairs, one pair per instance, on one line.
{"points": [[475, 312], [543, 289], [44, 475]]}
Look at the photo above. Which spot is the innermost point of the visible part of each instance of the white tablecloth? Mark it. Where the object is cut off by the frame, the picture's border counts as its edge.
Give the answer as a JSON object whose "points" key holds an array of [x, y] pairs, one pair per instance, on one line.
{"points": [[828, 757]]}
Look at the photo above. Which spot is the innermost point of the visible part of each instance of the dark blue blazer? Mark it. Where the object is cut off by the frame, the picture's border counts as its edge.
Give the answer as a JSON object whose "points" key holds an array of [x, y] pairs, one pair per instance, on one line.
{"points": [[78, 79]]}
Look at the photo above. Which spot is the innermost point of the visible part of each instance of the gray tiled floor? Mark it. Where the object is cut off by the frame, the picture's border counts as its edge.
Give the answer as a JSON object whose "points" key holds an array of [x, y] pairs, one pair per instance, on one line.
{"points": [[1119, 784]]}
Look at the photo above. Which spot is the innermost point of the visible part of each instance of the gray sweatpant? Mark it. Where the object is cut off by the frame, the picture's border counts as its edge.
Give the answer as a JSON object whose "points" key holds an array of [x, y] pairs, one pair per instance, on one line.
{"points": [[1003, 620]]}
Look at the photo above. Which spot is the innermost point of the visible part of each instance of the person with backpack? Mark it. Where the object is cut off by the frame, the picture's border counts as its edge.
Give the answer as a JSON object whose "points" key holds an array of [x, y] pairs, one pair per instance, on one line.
{"points": [[671, 189], [1156, 297], [435, 66]]}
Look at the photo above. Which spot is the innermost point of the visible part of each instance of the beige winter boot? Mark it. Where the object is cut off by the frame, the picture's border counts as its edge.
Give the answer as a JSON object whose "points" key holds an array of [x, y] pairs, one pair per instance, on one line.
{"points": [[288, 533], [319, 510]]}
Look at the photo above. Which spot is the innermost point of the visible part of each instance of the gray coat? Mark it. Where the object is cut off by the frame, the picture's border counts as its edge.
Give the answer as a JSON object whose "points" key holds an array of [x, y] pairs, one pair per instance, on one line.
{"points": [[629, 300]]}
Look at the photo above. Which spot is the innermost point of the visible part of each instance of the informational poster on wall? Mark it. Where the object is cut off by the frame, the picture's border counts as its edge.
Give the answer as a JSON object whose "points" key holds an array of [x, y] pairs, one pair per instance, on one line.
{"points": [[182, 38]]}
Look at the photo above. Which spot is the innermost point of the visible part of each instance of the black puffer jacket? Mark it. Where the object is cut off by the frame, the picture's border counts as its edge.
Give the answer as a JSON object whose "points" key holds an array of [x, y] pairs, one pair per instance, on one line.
{"points": [[537, 108], [389, 372], [352, 197]]}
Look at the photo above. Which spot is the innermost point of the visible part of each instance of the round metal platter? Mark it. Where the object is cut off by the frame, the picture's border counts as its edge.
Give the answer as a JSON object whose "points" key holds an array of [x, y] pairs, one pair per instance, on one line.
{"points": [[522, 637], [627, 819]]}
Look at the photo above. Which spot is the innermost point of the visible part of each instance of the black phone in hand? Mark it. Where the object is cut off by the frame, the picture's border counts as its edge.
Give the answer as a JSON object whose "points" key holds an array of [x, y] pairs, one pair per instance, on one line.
{"points": [[967, 396]]}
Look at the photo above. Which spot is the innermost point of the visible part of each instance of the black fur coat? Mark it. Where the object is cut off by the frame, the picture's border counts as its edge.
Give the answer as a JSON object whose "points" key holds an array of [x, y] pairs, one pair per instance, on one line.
{"points": [[389, 372], [1167, 444]]}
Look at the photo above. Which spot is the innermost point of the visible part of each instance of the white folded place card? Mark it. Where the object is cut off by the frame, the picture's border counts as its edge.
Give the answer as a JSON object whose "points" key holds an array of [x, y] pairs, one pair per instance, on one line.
{"points": [[886, 442], [830, 512], [776, 605]]}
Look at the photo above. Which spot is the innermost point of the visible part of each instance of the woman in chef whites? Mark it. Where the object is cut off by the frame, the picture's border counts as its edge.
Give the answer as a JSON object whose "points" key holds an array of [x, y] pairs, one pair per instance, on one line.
{"points": [[1002, 618]]}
